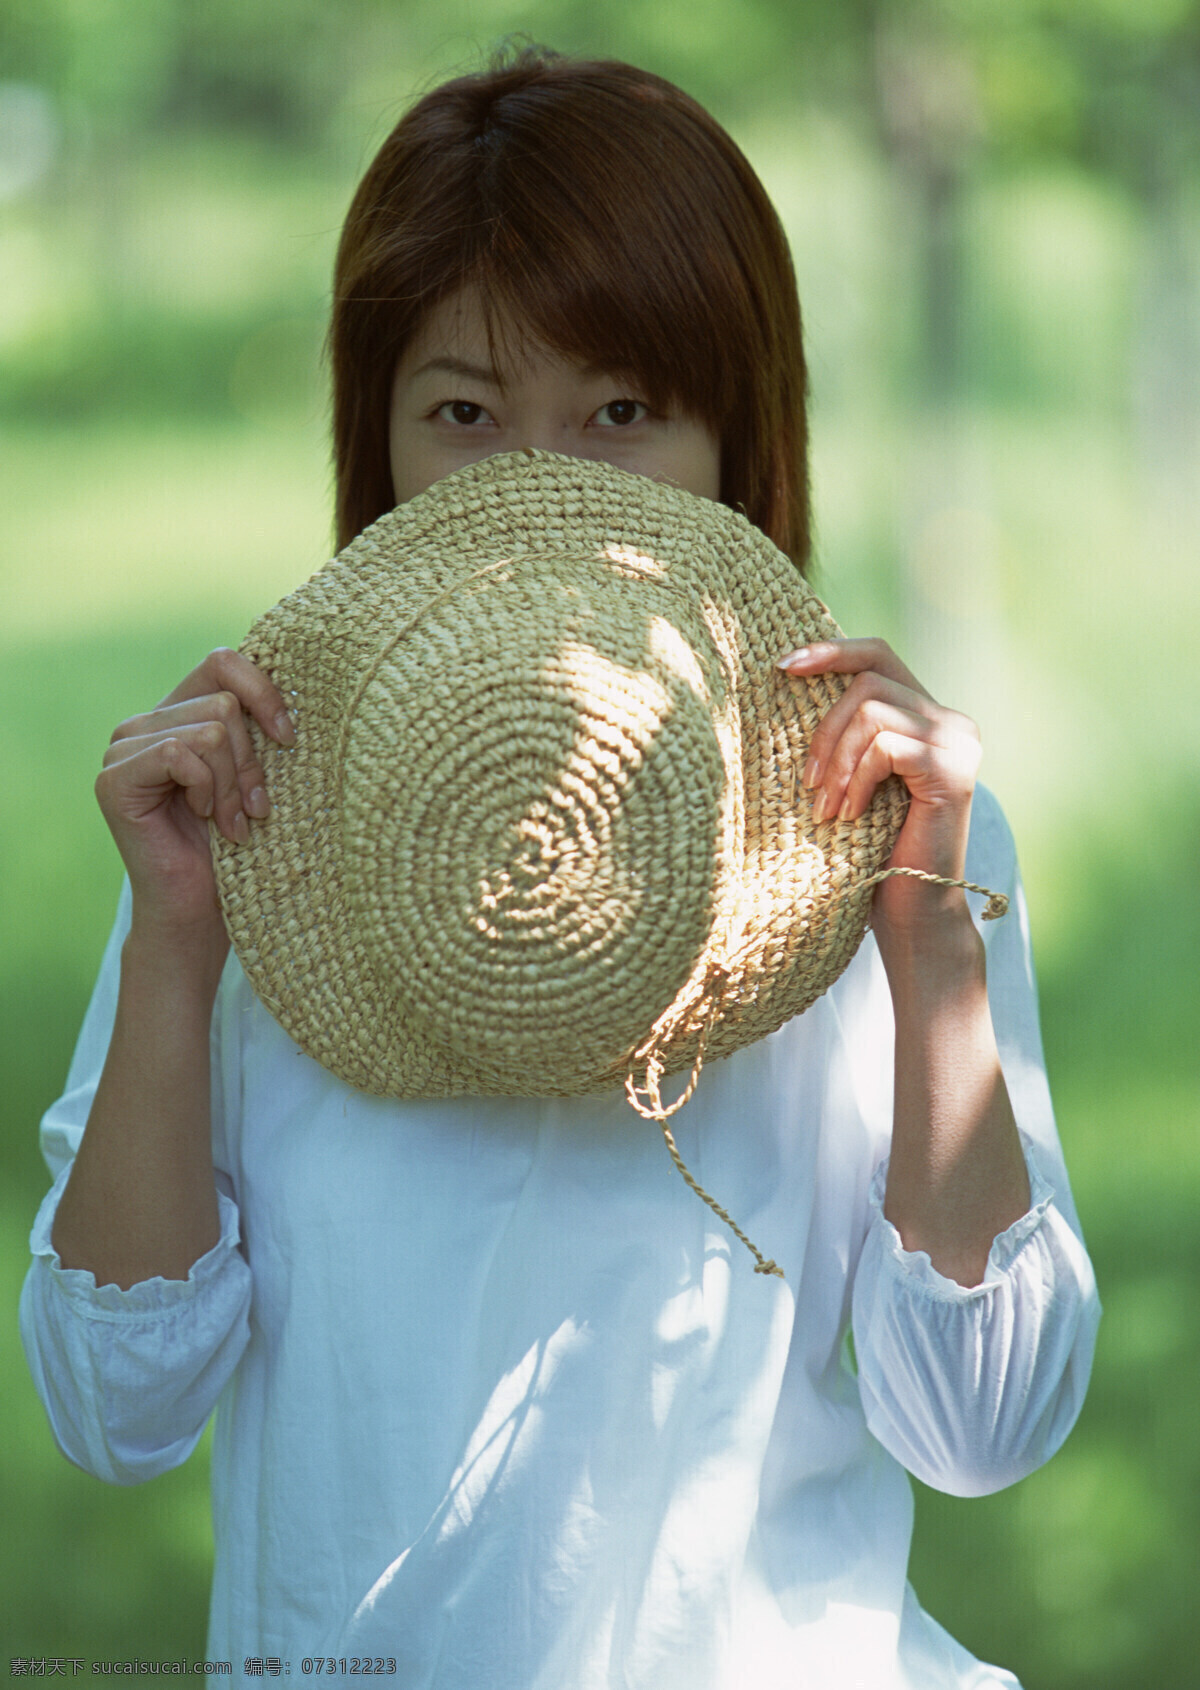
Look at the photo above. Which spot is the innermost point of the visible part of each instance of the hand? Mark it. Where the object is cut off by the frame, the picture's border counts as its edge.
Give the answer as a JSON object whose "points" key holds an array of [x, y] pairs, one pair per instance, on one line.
{"points": [[886, 723], [165, 773]]}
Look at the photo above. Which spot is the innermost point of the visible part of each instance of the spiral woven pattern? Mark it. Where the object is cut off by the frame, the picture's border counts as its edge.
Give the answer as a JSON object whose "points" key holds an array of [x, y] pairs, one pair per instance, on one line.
{"points": [[544, 820]]}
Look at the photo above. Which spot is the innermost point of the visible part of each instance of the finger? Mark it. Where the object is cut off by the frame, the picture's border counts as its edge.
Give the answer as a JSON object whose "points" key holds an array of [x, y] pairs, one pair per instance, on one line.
{"points": [[881, 758], [136, 785], [834, 772], [936, 775], [850, 657], [224, 670], [144, 768], [221, 707], [881, 703]]}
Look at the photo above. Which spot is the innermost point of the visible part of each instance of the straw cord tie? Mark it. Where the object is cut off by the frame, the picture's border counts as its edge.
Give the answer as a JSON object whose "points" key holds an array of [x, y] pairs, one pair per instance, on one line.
{"points": [[997, 902], [654, 1109]]}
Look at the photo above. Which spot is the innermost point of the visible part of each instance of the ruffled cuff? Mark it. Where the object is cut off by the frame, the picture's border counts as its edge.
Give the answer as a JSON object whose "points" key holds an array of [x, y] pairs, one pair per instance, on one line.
{"points": [[972, 1388], [129, 1378], [148, 1297], [917, 1266]]}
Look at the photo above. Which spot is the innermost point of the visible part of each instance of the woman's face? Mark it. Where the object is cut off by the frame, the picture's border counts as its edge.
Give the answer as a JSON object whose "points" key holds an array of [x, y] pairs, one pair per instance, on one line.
{"points": [[451, 406]]}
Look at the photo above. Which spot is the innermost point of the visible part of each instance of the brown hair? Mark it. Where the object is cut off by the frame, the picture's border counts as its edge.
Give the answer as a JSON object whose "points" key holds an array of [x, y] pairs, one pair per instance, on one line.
{"points": [[604, 213]]}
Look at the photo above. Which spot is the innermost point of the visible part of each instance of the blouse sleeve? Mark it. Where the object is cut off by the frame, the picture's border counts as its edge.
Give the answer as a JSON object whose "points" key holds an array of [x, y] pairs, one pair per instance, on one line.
{"points": [[973, 1388], [128, 1378]]}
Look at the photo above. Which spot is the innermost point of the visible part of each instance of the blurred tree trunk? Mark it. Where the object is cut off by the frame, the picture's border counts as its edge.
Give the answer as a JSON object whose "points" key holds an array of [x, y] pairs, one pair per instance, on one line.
{"points": [[1165, 341], [1165, 373], [1142, 130], [927, 118]]}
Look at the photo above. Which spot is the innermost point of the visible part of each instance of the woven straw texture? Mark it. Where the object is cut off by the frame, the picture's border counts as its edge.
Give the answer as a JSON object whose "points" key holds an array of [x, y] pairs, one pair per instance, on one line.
{"points": [[544, 820]]}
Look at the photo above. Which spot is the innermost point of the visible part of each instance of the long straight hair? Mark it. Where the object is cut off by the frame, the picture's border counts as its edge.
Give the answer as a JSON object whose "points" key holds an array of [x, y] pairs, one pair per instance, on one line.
{"points": [[603, 213]]}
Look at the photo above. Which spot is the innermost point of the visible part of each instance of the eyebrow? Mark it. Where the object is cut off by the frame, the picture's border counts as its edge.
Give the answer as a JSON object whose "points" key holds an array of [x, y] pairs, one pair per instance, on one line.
{"points": [[457, 367], [448, 366]]}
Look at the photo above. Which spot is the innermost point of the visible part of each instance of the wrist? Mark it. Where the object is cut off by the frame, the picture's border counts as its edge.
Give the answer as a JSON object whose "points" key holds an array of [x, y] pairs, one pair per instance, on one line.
{"points": [[173, 957], [935, 953]]}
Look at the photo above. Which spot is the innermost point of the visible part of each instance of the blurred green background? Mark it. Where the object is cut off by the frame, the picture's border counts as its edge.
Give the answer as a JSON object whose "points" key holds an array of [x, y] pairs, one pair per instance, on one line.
{"points": [[995, 215]]}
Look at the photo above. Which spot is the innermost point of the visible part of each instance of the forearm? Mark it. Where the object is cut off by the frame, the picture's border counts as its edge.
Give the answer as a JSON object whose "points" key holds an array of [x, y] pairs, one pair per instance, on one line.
{"points": [[956, 1175], [141, 1199]]}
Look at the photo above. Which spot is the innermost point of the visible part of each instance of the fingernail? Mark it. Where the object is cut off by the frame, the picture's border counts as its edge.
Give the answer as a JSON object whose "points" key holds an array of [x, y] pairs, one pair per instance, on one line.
{"points": [[812, 773], [258, 804], [800, 656], [846, 810], [241, 829], [285, 732], [821, 806]]}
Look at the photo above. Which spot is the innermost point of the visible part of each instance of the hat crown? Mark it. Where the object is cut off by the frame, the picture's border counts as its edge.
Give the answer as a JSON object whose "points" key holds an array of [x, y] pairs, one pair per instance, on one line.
{"points": [[539, 813]]}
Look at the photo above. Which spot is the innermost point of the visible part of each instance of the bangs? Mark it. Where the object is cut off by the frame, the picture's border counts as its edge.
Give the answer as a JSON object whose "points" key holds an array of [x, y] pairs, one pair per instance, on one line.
{"points": [[599, 327]]}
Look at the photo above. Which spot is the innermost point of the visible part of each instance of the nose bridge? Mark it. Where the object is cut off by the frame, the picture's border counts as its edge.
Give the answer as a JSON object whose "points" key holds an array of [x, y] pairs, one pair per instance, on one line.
{"points": [[545, 408], [544, 427]]}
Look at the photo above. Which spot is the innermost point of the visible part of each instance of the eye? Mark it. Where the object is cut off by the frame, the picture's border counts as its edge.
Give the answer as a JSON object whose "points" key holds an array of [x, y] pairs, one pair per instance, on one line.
{"points": [[619, 413], [464, 412]]}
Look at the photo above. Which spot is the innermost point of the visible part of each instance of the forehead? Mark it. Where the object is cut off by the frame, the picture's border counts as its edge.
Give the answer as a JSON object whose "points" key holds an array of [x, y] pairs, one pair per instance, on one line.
{"points": [[459, 336], [458, 320]]}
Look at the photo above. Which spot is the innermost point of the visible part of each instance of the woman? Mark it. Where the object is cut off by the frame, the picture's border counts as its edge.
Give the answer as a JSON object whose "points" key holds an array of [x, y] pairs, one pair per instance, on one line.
{"points": [[495, 1405]]}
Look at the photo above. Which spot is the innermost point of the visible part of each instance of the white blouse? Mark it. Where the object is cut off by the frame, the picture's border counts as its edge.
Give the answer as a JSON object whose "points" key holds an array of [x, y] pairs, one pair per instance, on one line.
{"points": [[500, 1401]]}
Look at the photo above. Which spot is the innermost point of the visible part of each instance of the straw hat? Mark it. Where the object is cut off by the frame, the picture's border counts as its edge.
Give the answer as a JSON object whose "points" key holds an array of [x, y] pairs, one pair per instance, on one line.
{"points": [[545, 796]]}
